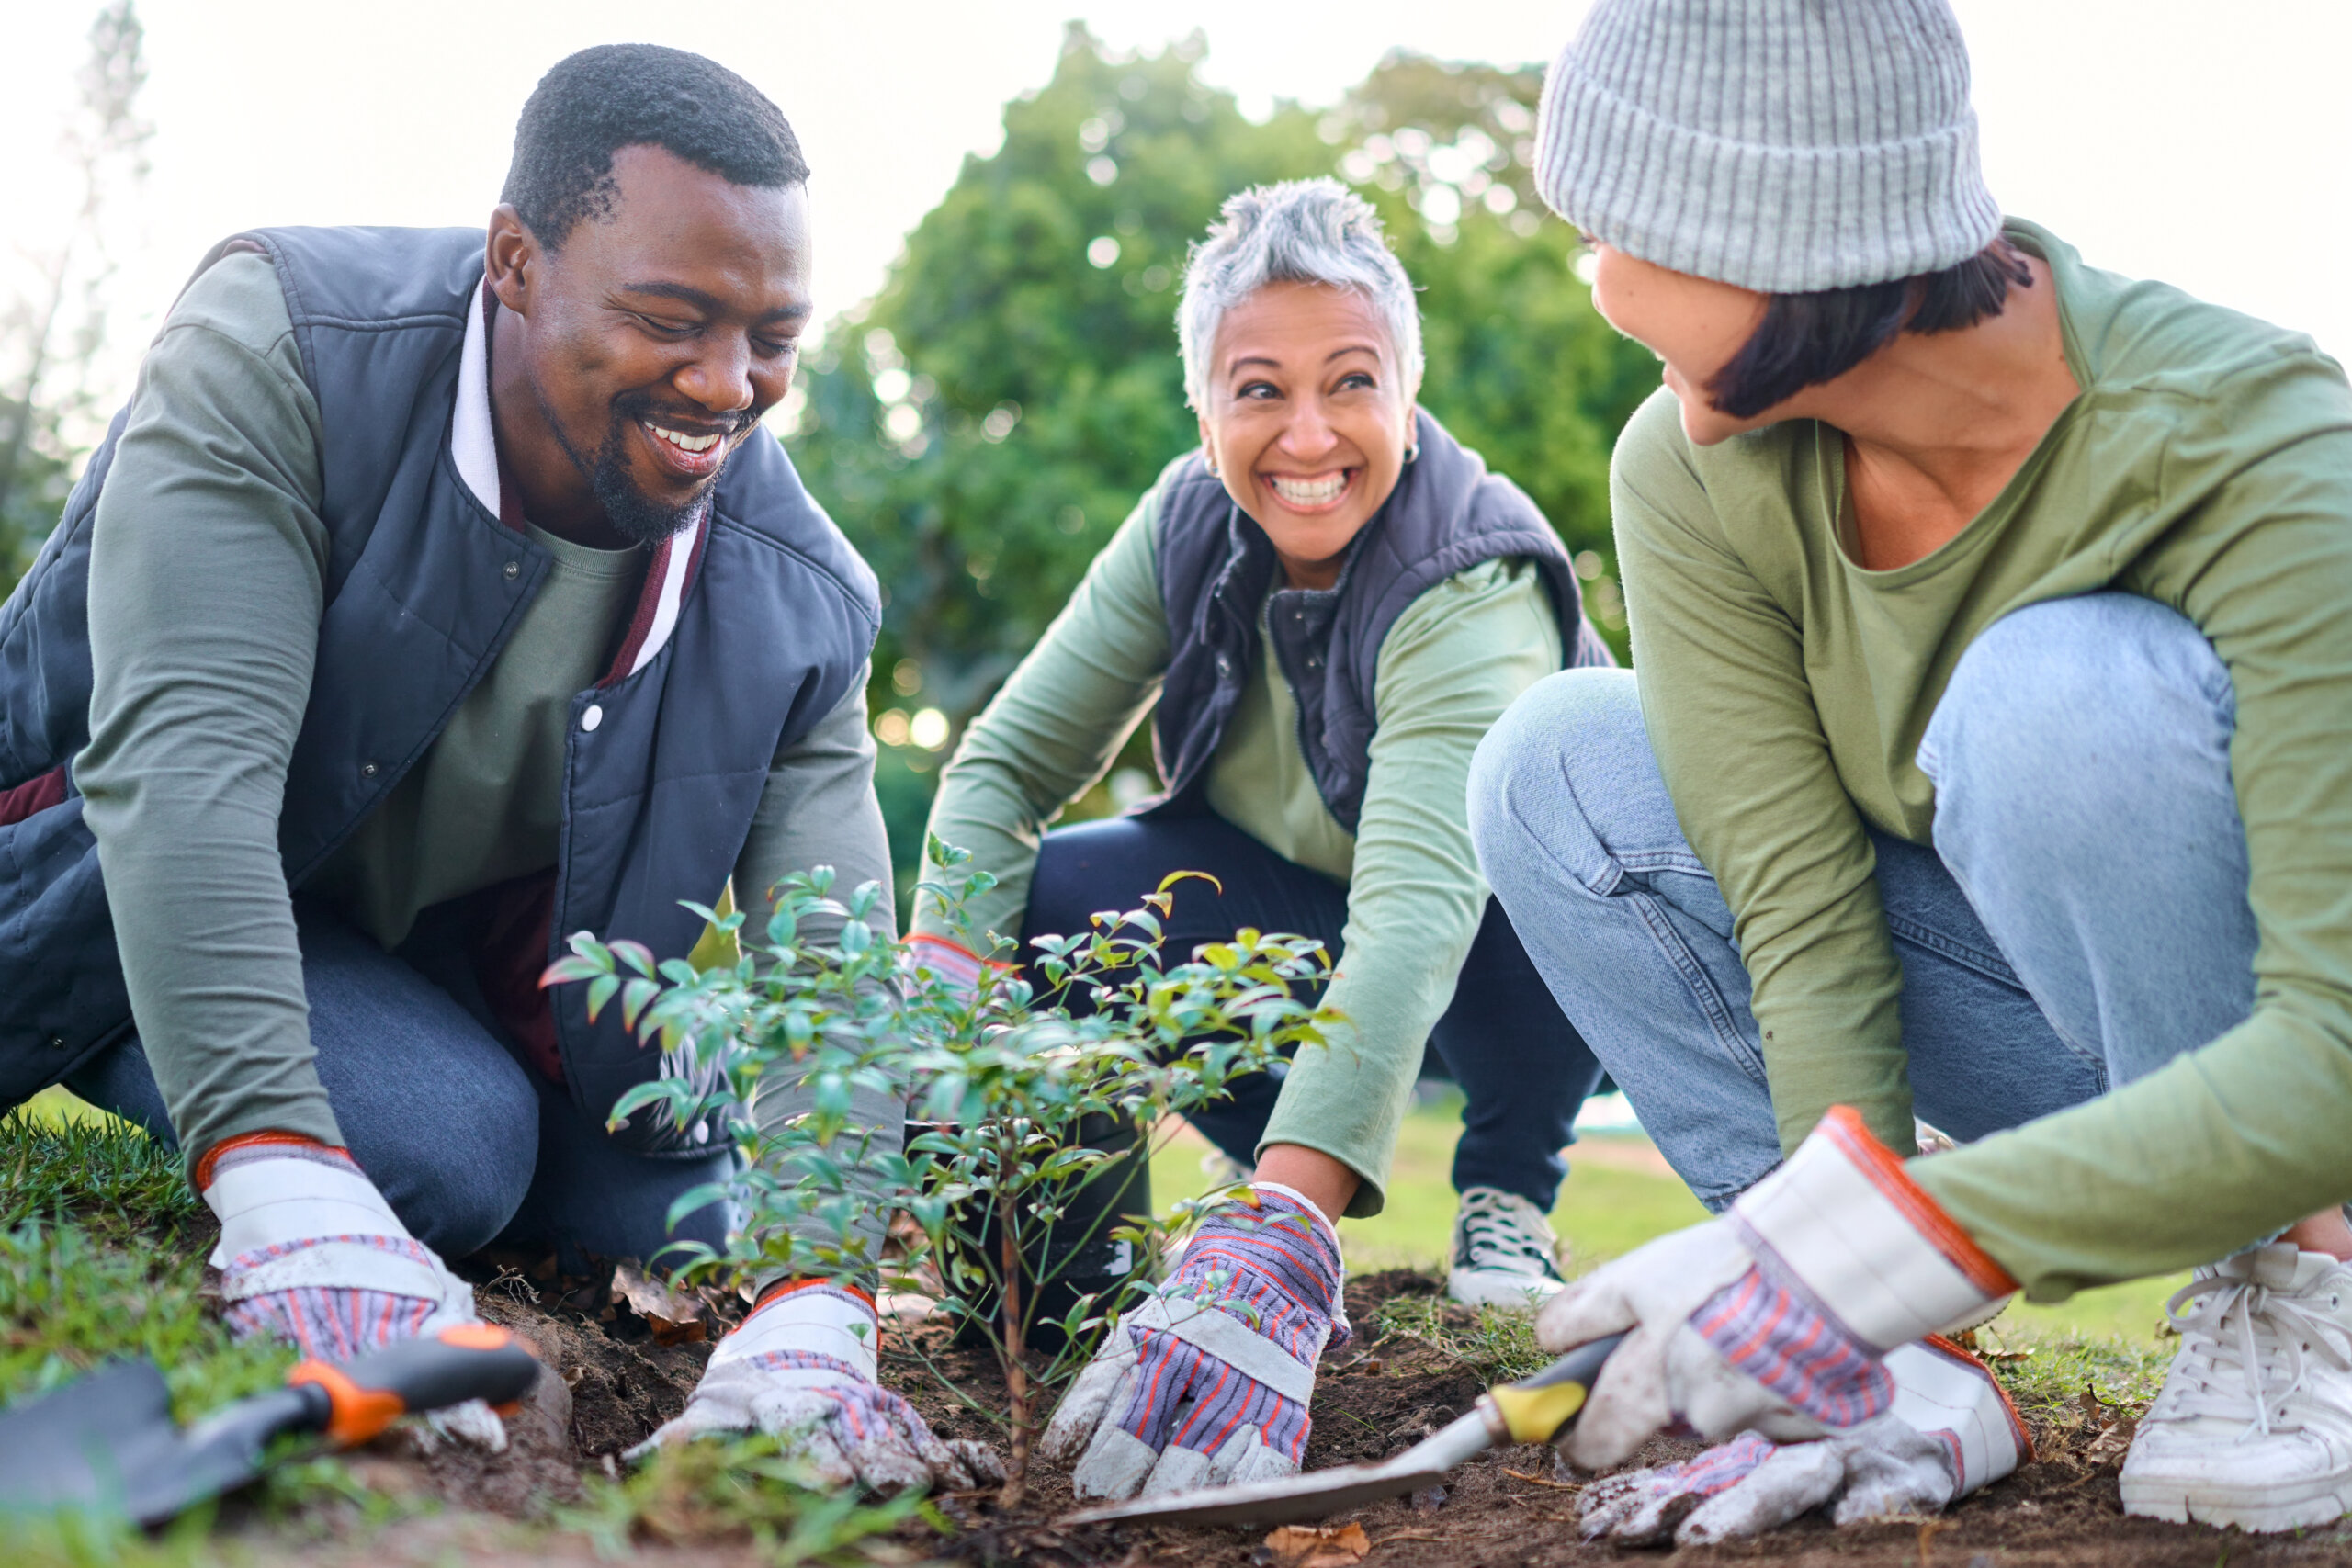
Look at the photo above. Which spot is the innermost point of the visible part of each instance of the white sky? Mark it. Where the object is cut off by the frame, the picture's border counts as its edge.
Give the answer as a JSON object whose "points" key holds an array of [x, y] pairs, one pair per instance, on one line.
{"points": [[2202, 143]]}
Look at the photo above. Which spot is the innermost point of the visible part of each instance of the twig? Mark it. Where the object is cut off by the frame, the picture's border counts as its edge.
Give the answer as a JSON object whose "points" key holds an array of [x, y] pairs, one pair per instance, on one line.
{"points": [[1402, 1535], [1540, 1481]]}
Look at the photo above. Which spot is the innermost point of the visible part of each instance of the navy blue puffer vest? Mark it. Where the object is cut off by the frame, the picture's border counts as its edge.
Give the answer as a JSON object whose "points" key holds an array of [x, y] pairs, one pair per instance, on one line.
{"points": [[1446, 514], [423, 585]]}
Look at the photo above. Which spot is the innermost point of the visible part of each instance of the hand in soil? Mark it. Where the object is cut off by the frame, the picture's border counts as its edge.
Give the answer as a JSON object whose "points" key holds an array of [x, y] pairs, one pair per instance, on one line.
{"points": [[801, 1368], [1951, 1431], [847, 1430], [312, 1254], [1209, 1382], [1762, 1320]]}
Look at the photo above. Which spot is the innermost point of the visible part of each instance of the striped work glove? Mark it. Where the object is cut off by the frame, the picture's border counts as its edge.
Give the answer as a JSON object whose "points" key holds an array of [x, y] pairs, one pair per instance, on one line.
{"points": [[1776, 1317], [1209, 1382], [802, 1367], [311, 1254], [1949, 1430]]}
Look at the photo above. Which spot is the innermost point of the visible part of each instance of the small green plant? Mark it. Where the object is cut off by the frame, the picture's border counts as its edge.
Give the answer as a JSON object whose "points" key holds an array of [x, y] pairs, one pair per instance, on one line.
{"points": [[998, 1081], [695, 1494]]}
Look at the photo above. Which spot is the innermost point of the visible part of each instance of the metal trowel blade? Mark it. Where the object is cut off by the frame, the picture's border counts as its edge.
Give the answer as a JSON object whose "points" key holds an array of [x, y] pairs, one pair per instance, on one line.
{"points": [[1315, 1496], [107, 1442]]}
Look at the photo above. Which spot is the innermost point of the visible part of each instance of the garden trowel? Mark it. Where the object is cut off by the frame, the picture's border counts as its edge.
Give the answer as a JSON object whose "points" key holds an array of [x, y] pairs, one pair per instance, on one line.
{"points": [[1533, 1410], [108, 1441]]}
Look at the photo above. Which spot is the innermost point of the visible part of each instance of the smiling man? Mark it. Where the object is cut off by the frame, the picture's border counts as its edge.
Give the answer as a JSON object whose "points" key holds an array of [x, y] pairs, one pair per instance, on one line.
{"points": [[434, 599]]}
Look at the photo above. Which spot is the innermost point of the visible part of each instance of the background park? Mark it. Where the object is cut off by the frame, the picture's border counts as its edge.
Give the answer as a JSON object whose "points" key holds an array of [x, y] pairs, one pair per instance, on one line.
{"points": [[1003, 212]]}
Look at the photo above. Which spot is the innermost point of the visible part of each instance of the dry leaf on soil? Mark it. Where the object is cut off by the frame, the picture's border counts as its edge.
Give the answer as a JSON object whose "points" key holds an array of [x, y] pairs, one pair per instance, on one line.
{"points": [[1309, 1546], [674, 1318]]}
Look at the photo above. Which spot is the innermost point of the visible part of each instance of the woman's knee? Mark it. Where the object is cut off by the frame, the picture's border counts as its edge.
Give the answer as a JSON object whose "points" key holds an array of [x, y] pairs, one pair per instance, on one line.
{"points": [[2074, 719], [1562, 778], [456, 1160]]}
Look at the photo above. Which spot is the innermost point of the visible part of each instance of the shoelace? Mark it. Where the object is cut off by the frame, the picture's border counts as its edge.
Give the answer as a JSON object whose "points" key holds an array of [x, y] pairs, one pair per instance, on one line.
{"points": [[2216, 1303], [1493, 1237]]}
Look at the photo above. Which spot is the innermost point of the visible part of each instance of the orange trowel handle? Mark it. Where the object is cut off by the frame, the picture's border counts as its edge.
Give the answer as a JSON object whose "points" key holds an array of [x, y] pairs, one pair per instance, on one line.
{"points": [[469, 1361]]}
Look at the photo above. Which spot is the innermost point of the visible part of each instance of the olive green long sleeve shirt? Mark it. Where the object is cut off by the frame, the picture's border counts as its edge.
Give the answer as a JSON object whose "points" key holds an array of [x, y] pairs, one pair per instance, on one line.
{"points": [[1450, 665], [206, 592], [2207, 465]]}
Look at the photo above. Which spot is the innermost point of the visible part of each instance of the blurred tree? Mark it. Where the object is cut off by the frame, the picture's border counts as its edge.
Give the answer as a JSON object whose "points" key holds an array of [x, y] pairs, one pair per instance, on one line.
{"points": [[983, 425], [54, 330]]}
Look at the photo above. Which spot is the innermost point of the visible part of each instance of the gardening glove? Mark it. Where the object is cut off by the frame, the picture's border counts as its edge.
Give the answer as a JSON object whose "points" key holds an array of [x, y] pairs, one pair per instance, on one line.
{"points": [[802, 1367], [1951, 1430], [1774, 1317], [1209, 1381], [965, 972], [311, 1254]]}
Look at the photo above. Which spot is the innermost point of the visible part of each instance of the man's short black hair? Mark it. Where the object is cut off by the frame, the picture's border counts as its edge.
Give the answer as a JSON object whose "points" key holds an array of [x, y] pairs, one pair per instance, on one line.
{"points": [[600, 100], [1807, 339]]}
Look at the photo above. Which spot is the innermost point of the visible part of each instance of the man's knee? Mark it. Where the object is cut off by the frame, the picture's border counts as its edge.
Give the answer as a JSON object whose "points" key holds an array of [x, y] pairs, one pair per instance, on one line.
{"points": [[2073, 716], [1550, 776], [455, 1175]]}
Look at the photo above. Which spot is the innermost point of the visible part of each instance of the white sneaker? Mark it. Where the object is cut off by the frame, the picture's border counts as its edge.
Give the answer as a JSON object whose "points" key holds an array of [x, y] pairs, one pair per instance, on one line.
{"points": [[2253, 1427], [1504, 1255]]}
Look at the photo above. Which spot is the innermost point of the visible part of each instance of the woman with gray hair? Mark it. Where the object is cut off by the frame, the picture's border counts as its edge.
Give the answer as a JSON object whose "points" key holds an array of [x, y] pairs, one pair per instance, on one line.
{"points": [[1331, 600], [1988, 751]]}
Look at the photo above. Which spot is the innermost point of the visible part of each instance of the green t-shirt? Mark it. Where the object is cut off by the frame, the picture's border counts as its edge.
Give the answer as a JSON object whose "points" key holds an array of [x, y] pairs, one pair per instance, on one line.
{"points": [[1450, 665], [206, 584], [2207, 465]]}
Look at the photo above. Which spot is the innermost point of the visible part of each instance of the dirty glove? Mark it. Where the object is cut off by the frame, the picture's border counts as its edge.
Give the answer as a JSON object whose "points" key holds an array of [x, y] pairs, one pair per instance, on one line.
{"points": [[802, 1367], [1951, 1430], [311, 1254], [1208, 1381], [1774, 1317]]}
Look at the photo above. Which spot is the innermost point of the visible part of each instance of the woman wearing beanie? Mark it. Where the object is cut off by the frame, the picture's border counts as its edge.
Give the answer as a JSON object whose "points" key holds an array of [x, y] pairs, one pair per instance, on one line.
{"points": [[1988, 758], [1331, 600]]}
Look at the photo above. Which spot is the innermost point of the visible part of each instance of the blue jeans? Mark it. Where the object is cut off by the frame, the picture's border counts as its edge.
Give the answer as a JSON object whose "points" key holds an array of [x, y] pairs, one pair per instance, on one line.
{"points": [[467, 1143], [2081, 919], [1522, 1070]]}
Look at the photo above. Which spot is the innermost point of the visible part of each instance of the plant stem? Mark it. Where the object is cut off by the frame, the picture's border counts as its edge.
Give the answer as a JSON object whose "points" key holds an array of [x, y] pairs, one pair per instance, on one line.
{"points": [[1016, 1371]]}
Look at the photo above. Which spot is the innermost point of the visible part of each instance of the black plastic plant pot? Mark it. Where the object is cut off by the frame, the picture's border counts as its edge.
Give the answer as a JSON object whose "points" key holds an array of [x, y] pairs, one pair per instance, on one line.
{"points": [[1075, 1255]]}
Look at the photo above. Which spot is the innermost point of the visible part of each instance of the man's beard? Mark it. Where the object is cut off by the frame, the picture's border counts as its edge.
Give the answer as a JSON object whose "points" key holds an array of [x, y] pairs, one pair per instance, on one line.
{"points": [[634, 514]]}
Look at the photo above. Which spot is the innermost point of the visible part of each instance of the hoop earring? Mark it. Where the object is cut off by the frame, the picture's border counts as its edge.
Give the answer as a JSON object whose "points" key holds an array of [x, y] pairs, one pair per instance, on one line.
{"points": [[1413, 453]]}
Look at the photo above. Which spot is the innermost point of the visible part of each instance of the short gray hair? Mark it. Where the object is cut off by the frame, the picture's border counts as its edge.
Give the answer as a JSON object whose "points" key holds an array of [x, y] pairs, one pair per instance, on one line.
{"points": [[1298, 231]]}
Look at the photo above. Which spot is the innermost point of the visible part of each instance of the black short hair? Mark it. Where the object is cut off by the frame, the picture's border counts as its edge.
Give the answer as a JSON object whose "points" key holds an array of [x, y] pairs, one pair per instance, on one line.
{"points": [[592, 104], [1807, 339]]}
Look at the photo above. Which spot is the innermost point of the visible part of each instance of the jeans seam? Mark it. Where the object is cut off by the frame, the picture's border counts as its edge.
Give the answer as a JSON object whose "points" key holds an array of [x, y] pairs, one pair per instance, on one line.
{"points": [[1700, 985], [1991, 965], [2095, 1060]]}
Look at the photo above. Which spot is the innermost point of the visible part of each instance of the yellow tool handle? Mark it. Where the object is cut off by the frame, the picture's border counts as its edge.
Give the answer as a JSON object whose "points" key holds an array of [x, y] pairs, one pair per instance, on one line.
{"points": [[1538, 1409]]}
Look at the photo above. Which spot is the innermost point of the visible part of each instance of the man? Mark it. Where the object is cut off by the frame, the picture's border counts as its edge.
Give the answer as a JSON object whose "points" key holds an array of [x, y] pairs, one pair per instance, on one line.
{"points": [[1984, 753], [431, 600]]}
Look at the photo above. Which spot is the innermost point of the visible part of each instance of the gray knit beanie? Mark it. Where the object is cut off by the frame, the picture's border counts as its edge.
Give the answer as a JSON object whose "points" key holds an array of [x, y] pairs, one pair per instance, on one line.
{"points": [[1781, 145]]}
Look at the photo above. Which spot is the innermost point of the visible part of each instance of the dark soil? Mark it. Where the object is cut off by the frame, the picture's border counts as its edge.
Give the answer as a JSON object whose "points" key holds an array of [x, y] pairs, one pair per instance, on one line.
{"points": [[615, 1382]]}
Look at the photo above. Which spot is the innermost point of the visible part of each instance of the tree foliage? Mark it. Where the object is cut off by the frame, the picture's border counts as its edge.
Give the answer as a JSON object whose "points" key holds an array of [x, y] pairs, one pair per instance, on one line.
{"points": [[983, 425], [51, 332]]}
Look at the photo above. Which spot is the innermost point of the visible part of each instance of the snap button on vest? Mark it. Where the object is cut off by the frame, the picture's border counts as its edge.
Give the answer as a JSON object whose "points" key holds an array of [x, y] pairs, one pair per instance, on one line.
{"points": [[513, 569], [367, 769], [594, 717]]}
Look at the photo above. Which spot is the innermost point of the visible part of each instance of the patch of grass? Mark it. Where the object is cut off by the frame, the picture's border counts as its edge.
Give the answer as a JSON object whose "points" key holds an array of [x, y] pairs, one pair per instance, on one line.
{"points": [[2055, 1369], [701, 1493], [70, 1301], [58, 1159], [1500, 1344]]}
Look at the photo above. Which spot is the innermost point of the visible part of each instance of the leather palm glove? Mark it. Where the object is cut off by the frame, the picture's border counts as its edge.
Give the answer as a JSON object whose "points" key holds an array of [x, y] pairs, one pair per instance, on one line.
{"points": [[1776, 1316], [311, 1254], [1209, 1382], [802, 1367], [1949, 1430]]}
